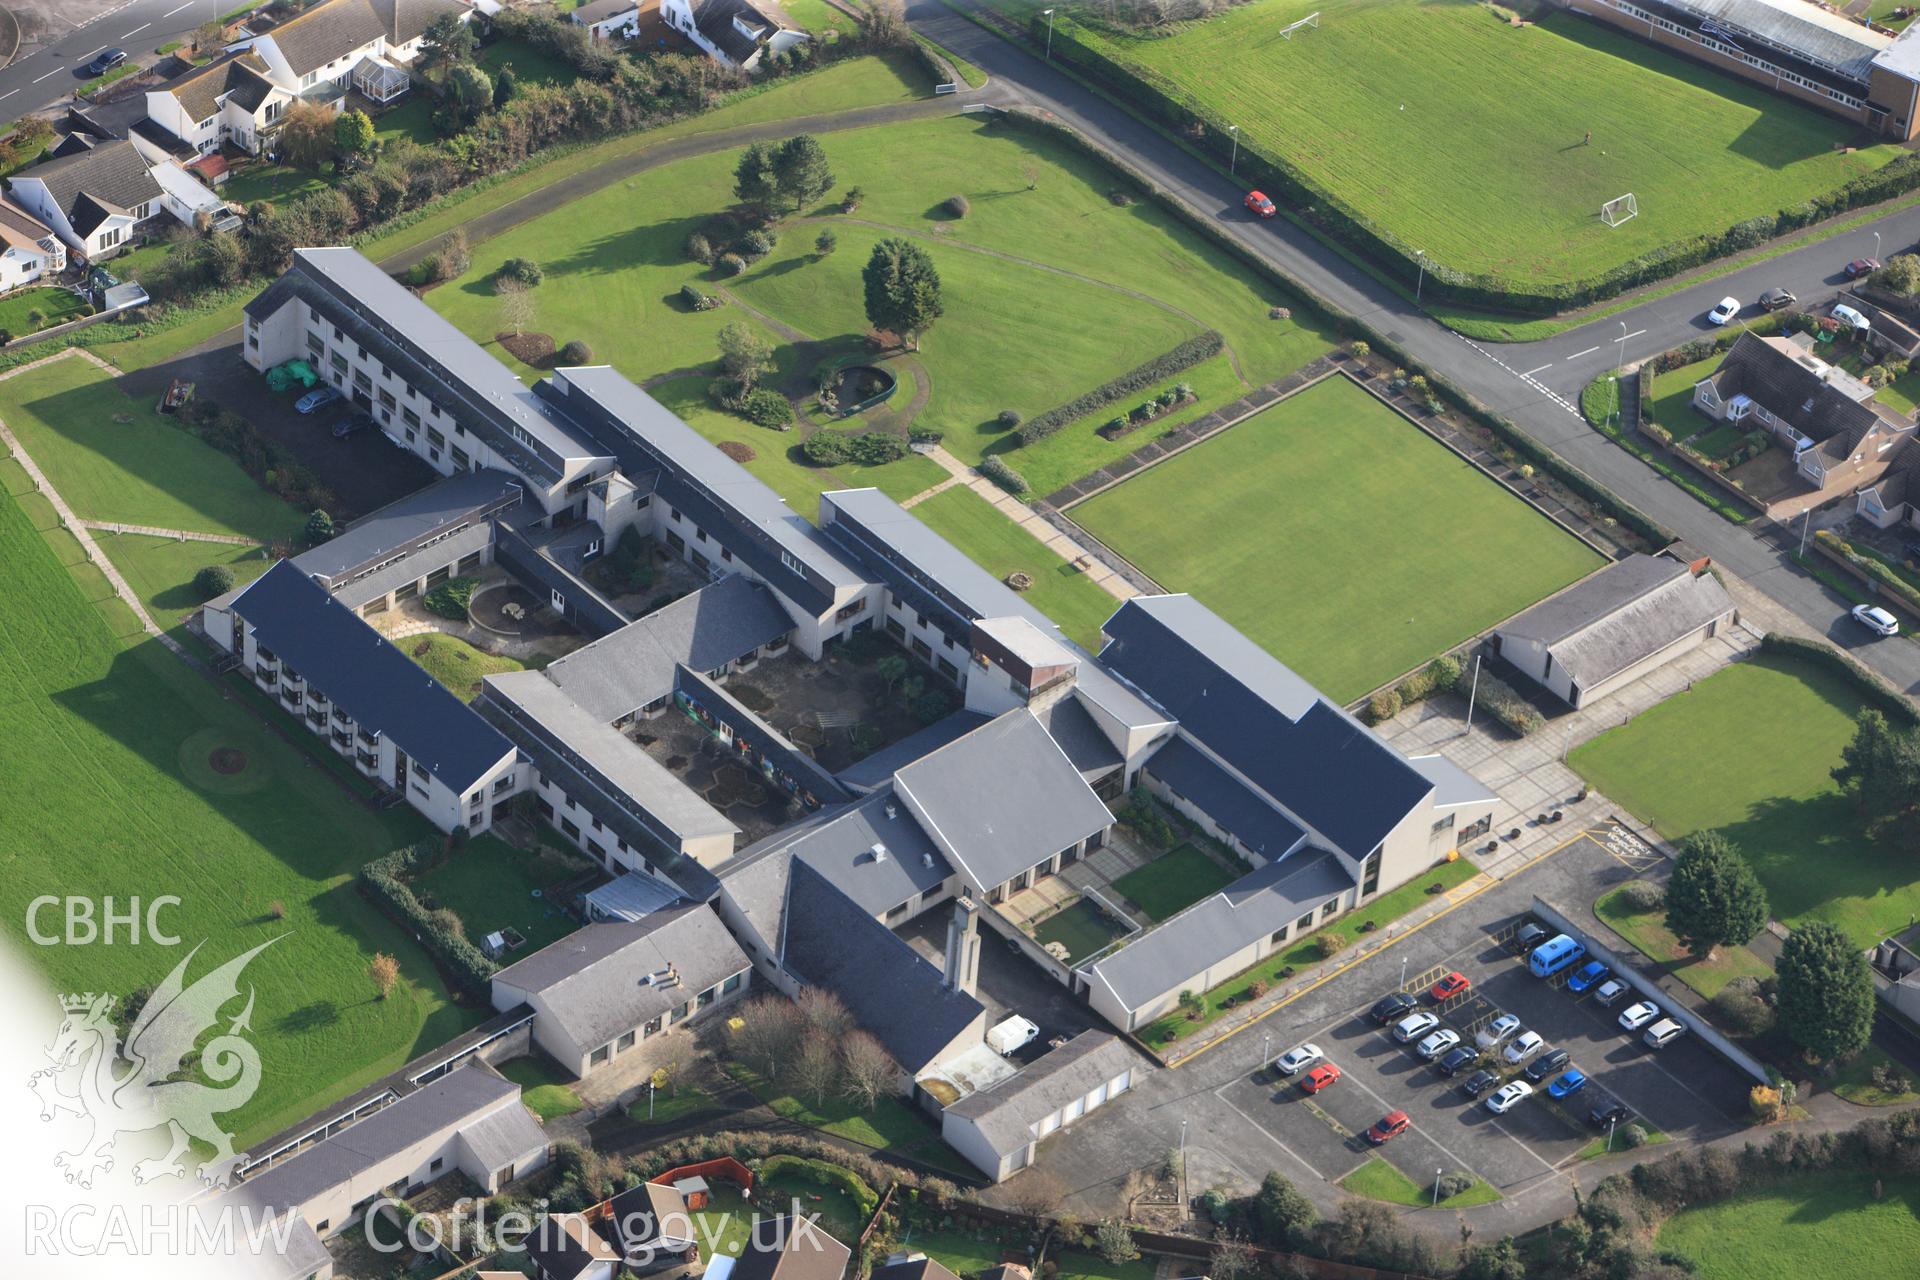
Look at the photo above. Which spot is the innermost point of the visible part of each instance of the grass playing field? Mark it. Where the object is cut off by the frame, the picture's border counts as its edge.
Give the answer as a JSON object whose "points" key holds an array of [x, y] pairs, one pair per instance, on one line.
{"points": [[1338, 535], [1466, 137], [1747, 750], [1819, 1225]]}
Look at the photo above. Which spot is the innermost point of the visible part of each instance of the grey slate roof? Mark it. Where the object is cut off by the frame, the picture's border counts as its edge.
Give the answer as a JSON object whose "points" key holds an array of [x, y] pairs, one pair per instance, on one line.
{"points": [[600, 10], [1324, 768], [415, 565], [563, 1245], [878, 769], [1007, 1111], [839, 845], [301, 1257], [371, 680], [241, 77], [891, 990], [502, 1138], [1002, 799], [334, 29], [1210, 930], [91, 184], [1073, 730], [1249, 816], [593, 981], [445, 504], [1796, 386], [1452, 785], [1611, 619], [715, 19], [624, 671]]}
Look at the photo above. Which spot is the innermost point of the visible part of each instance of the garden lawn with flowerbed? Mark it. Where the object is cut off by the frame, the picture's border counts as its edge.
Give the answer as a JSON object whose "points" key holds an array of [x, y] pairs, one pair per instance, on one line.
{"points": [[545, 1089], [1173, 882], [56, 306], [891, 1126], [1082, 927], [1821, 1224], [492, 885], [1379, 1180]]}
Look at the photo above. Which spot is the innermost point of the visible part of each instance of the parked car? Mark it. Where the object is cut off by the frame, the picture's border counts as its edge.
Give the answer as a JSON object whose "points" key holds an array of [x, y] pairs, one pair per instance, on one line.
{"points": [[1547, 1064], [105, 61], [1258, 203], [1525, 1046], [1723, 311], [1415, 1025], [1530, 936], [1392, 1008], [1876, 619], [1639, 1015], [1508, 1096], [1478, 1083], [352, 425], [1604, 1109], [1497, 1030], [1389, 1126], [1572, 1081], [1437, 1043], [1298, 1059], [1454, 984], [1587, 974], [1610, 991], [1320, 1077], [1776, 298], [316, 399], [1663, 1033], [1457, 1060], [1850, 317], [1862, 267]]}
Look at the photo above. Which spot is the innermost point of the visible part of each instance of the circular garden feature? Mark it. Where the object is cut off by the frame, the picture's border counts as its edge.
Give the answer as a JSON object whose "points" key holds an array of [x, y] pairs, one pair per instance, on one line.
{"points": [[223, 762], [852, 388]]}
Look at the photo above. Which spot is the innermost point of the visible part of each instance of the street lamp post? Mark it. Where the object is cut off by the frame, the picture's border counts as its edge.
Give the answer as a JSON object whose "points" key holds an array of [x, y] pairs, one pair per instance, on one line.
{"points": [[1611, 1121], [1876, 246], [1804, 526], [1621, 363], [1421, 283], [1233, 159], [1265, 1041], [1403, 971], [1436, 1186], [1049, 14]]}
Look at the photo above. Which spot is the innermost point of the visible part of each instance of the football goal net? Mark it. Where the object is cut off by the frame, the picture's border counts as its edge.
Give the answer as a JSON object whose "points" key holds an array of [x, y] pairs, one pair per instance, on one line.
{"points": [[1309, 23], [1619, 209]]}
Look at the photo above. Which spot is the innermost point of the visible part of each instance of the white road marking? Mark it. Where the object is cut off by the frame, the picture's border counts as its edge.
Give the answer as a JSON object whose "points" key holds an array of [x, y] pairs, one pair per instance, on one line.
{"points": [[1527, 378], [9, 93], [56, 71], [137, 30], [1529, 373], [1428, 1133], [169, 13], [1268, 1134], [1589, 351], [1636, 333]]}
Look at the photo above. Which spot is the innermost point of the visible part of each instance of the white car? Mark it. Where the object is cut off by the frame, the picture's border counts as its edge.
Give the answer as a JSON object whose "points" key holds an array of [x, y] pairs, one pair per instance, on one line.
{"points": [[1663, 1033], [1525, 1047], [1497, 1030], [1508, 1096], [1846, 315], [1415, 1025], [1876, 619], [1299, 1059], [1725, 311], [1610, 990], [1437, 1043], [1639, 1015]]}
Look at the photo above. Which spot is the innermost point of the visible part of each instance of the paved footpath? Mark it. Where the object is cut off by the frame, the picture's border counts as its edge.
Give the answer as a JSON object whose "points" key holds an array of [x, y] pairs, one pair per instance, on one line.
{"points": [[178, 535]]}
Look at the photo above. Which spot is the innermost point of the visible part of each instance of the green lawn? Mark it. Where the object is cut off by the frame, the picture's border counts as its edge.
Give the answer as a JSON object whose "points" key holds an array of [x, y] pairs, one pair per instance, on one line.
{"points": [[724, 1226], [1332, 531], [892, 1125], [1001, 547], [1855, 1080], [1647, 930], [56, 306], [160, 570], [547, 1091], [530, 65], [274, 183], [968, 1253], [492, 885], [669, 1108], [114, 744], [1902, 395], [1173, 882], [1822, 1224], [1598, 1147], [1465, 136], [1082, 928], [455, 663], [1672, 398], [1747, 751], [1378, 1180]]}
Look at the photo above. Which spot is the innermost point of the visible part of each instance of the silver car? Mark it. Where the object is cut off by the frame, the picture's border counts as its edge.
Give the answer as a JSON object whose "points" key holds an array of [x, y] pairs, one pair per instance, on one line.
{"points": [[1437, 1043], [1639, 1015], [1497, 1030], [1525, 1047], [1415, 1025], [1298, 1059]]}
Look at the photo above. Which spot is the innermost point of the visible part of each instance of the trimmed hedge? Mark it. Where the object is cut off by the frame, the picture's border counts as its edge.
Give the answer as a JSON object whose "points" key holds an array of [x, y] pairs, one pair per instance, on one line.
{"points": [[1865, 683], [1878, 570], [856, 1188], [1202, 346], [1500, 699], [383, 881], [1005, 476], [1306, 201], [451, 598]]}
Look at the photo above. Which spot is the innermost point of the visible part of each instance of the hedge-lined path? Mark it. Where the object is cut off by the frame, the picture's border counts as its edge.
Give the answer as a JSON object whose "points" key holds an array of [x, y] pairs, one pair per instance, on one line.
{"points": [[178, 535]]}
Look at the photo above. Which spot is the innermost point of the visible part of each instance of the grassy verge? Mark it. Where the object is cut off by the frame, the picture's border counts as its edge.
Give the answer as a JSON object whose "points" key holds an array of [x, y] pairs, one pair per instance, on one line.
{"points": [[1600, 404], [891, 1125], [1819, 1224], [1378, 1180], [1647, 931], [1598, 1147], [671, 1107], [1855, 1080], [545, 1090]]}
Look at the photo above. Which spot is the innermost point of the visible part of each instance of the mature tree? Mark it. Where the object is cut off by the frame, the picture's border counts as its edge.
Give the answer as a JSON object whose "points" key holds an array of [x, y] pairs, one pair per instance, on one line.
{"points": [[353, 133], [1500, 1261], [815, 1066], [1285, 1217], [470, 92], [893, 669], [1900, 275], [903, 289], [384, 971], [744, 354], [447, 42], [672, 1057], [800, 171], [1114, 1242], [319, 527], [1881, 766], [504, 87], [756, 181], [1233, 1259], [1713, 899], [823, 1011], [306, 136], [1038, 1193], [1826, 991], [763, 1032], [867, 1069]]}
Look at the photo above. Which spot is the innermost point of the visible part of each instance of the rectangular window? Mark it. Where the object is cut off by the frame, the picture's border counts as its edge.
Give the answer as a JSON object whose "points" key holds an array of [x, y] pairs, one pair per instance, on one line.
{"points": [[731, 985], [1279, 936], [386, 398], [920, 648], [409, 417], [625, 1042], [706, 998], [573, 832], [651, 1029], [435, 439], [1333, 905], [600, 1055], [1304, 923]]}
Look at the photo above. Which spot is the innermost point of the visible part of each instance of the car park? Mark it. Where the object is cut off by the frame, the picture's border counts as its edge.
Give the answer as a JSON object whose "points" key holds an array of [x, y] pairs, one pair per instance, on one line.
{"points": [[1258, 204], [1639, 1015], [1320, 1077], [1298, 1059], [1610, 991], [105, 61], [1723, 311], [1529, 936], [1663, 1033], [1392, 1008], [1546, 1064], [1862, 267], [1497, 1030], [1876, 619], [352, 425], [1776, 298], [1851, 317], [1570, 1082], [316, 399], [1508, 1096], [1550, 957], [1437, 1043], [1587, 974], [1454, 984], [1524, 1046], [1457, 1060], [1389, 1126], [1478, 1083], [1415, 1025]]}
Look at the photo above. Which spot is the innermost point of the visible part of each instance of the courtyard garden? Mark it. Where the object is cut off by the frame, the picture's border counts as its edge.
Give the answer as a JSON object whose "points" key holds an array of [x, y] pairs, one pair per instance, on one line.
{"points": [[455, 663], [1173, 882], [545, 1089], [1395, 549], [494, 886], [1083, 927]]}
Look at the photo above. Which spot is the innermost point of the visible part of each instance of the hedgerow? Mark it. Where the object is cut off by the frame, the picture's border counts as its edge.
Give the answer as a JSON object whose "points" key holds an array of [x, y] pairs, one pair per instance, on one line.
{"points": [[1202, 346]]}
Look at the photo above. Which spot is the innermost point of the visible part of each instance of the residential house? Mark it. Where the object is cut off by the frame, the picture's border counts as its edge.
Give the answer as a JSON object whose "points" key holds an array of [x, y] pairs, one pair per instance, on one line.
{"points": [[790, 1248], [365, 45], [999, 1128], [606, 989], [911, 1265], [232, 101], [1895, 497], [32, 248], [1614, 626], [94, 195], [569, 1246], [652, 1228], [609, 19], [734, 33]]}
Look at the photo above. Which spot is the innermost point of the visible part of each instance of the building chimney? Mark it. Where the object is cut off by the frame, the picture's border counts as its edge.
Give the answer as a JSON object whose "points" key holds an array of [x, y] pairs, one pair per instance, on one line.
{"points": [[963, 946]]}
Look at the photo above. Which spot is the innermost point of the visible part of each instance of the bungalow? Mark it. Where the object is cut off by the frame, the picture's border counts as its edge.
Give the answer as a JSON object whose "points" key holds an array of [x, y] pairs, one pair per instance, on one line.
{"points": [[94, 195], [790, 1248], [734, 33], [32, 248], [608, 19], [1895, 497]]}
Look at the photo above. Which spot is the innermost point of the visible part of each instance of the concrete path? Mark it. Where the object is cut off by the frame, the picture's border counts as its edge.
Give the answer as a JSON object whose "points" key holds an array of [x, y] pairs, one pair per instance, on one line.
{"points": [[178, 535]]}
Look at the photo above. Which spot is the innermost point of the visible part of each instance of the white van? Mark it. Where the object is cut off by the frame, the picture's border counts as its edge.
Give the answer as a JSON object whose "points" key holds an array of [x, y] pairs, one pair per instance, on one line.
{"points": [[1663, 1033]]}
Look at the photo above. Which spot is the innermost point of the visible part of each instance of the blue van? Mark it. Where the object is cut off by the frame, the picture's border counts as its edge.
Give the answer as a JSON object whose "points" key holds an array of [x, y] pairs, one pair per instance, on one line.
{"points": [[1552, 956]]}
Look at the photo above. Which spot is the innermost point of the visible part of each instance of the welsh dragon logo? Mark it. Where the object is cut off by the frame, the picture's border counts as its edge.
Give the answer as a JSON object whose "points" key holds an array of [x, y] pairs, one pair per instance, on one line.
{"points": [[146, 1083]]}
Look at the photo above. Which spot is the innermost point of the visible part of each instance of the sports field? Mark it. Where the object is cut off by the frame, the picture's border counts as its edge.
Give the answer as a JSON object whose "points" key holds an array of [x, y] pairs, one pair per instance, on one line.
{"points": [[1338, 535], [1816, 1225], [1466, 137]]}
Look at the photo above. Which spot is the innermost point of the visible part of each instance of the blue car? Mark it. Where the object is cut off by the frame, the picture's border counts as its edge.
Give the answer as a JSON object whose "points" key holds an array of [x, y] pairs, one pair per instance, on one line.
{"points": [[1589, 974], [1572, 1081], [319, 398]]}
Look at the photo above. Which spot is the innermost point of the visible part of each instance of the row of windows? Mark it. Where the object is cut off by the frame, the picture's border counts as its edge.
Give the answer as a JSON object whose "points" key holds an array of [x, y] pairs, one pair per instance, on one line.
{"points": [[1738, 55], [679, 1014]]}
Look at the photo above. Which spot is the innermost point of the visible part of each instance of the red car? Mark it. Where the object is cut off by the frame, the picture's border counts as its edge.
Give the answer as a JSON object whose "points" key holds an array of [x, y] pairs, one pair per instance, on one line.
{"points": [[1389, 1126], [1320, 1077], [1454, 984], [1258, 202], [1855, 269]]}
